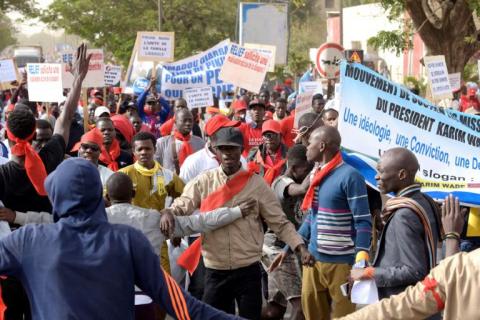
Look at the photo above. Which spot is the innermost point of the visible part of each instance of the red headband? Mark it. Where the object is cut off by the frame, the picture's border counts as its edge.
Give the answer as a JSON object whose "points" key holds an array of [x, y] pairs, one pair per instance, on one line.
{"points": [[34, 166]]}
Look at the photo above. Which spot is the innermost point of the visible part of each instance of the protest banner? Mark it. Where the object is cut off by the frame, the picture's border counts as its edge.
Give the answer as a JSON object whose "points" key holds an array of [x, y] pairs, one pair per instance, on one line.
{"points": [[96, 69], [155, 46], [455, 81], [437, 74], [265, 50], [8, 73], [198, 97], [311, 86], [44, 82], [377, 114], [303, 104], [200, 70], [113, 75], [245, 68]]}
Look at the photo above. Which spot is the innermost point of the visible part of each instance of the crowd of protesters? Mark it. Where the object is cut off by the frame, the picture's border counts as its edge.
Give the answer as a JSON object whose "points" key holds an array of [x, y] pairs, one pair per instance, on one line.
{"points": [[272, 217]]}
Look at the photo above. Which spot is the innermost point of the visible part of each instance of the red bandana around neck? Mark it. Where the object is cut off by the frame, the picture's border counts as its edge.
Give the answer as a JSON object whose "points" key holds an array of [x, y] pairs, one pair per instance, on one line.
{"points": [[186, 148], [270, 171], [191, 256], [34, 166], [110, 157], [317, 179]]}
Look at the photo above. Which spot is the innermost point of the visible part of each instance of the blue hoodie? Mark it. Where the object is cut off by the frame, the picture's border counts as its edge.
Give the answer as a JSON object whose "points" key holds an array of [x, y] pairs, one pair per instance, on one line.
{"points": [[82, 267]]}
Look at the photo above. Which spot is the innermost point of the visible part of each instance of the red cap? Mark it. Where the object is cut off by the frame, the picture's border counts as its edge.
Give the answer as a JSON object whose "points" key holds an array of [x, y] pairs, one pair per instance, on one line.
{"points": [[278, 88], [93, 135], [288, 81], [117, 90], [124, 126], [271, 126], [472, 91], [239, 105], [268, 115], [217, 122], [213, 110]]}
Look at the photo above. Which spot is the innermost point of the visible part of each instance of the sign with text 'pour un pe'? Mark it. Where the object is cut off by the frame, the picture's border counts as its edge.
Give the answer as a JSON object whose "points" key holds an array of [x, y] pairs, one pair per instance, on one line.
{"points": [[377, 114]]}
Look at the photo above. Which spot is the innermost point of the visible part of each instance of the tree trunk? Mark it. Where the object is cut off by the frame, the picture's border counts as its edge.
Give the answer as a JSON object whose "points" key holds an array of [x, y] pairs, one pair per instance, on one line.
{"points": [[448, 38]]}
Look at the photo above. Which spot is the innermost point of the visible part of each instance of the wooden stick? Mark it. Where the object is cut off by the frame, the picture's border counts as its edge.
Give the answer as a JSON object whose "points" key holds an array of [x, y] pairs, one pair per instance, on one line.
{"points": [[86, 126]]}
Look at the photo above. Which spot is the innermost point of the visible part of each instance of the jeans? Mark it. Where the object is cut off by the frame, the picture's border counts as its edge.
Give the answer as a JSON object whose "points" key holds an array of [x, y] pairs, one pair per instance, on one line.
{"points": [[225, 287]]}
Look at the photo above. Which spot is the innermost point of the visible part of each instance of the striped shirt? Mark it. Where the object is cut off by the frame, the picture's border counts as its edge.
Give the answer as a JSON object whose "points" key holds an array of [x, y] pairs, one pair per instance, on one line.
{"points": [[339, 222]]}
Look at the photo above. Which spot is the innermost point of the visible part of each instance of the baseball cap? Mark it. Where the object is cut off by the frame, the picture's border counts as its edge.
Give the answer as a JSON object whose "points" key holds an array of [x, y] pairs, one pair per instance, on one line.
{"points": [[271, 126], [217, 122], [256, 102], [228, 136], [239, 105], [101, 110]]}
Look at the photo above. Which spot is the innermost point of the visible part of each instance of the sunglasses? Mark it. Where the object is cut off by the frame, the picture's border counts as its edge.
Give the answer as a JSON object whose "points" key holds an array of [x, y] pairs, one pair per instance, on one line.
{"points": [[270, 135], [92, 147]]}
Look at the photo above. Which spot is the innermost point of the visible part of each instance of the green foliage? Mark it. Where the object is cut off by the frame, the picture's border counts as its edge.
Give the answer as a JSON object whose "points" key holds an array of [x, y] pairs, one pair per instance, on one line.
{"points": [[396, 40], [352, 3], [113, 24], [470, 72], [6, 32], [419, 84], [27, 7]]}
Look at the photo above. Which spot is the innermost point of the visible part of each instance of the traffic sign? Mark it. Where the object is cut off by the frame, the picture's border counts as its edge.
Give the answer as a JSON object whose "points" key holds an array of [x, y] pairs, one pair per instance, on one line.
{"points": [[328, 59]]}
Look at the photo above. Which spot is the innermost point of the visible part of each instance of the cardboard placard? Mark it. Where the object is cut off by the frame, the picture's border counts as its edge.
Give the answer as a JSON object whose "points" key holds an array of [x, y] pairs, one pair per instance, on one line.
{"points": [[8, 71], [455, 81], [245, 68], [437, 74], [303, 104], [266, 50], [311, 86], [198, 97], [45, 82], [156, 46], [96, 69], [113, 75]]}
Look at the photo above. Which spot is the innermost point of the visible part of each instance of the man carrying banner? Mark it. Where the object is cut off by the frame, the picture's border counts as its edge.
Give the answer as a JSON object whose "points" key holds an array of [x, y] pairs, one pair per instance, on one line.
{"points": [[412, 228], [172, 150], [269, 157], [232, 253], [156, 111], [338, 226]]}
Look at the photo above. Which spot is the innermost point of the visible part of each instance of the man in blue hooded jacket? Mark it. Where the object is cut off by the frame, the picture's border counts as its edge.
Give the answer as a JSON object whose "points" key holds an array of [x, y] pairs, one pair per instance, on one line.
{"points": [[82, 267]]}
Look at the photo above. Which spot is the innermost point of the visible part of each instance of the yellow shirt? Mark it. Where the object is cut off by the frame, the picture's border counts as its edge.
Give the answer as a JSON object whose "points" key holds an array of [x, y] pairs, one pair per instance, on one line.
{"points": [[151, 192], [146, 194]]}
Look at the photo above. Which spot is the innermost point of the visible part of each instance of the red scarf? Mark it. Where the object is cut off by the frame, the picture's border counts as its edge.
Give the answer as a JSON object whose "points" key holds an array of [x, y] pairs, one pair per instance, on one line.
{"points": [[189, 258], [110, 157], [186, 148], [34, 166], [317, 179], [270, 172]]}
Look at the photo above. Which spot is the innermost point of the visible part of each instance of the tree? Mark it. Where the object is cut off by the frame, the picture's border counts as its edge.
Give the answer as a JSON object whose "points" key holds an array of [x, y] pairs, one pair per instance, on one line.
{"points": [[446, 27], [113, 24], [26, 7], [6, 32]]}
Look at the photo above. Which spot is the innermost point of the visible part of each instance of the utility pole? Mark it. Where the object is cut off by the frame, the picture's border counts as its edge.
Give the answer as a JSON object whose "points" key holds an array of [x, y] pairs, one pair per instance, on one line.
{"points": [[159, 5]]}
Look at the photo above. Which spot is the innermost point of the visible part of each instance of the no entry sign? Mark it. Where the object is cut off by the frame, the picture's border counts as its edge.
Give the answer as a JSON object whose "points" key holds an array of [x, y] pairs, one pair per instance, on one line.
{"points": [[328, 60]]}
